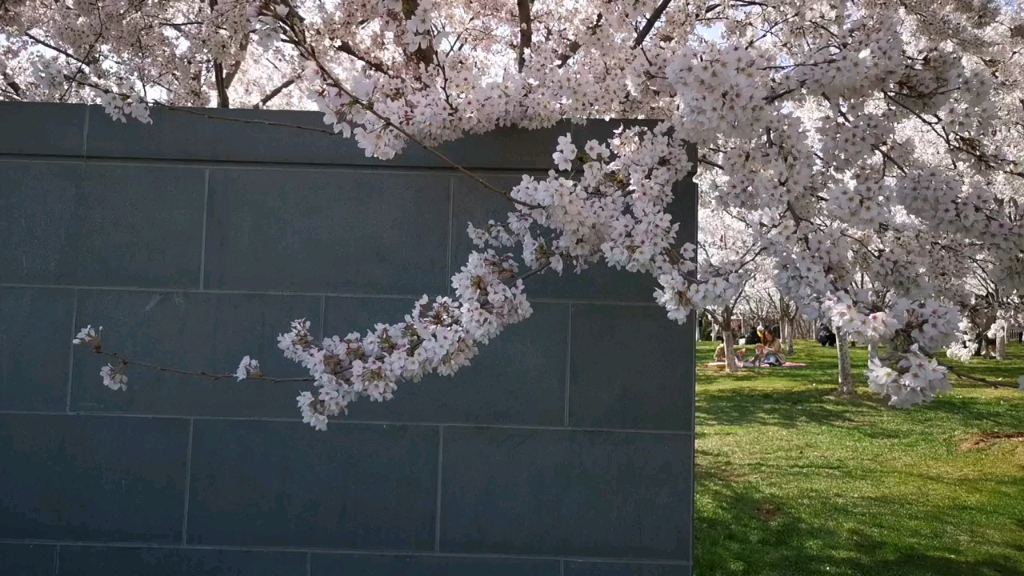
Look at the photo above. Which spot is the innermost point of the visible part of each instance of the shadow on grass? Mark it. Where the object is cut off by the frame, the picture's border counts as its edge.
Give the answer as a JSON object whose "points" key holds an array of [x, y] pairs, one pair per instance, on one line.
{"points": [[982, 414], [791, 407], [814, 373], [741, 406], [843, 520], [744, 532]]}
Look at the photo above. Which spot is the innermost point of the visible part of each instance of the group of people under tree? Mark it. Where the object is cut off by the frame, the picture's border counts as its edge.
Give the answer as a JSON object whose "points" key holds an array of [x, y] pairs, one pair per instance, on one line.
{"points": [[767, 349], [768, 345]]}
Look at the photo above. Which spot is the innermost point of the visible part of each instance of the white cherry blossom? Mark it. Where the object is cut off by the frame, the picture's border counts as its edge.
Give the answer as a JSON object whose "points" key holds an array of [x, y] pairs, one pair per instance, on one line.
{"points": [[860, 149]]}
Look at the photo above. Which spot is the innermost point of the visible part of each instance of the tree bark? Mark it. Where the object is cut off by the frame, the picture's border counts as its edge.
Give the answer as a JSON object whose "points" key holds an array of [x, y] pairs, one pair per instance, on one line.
{"points": [[274, 93], [730, 347], [525, 32], [649, 25], [218, 75], [790, 328], [845, 372], [873, 351], [730, 353], [1001, 338]]}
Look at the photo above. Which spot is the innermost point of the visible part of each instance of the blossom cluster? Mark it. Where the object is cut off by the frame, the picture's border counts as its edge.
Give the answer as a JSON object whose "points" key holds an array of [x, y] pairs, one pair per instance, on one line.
{"points": [[997, 329], [868, 328], [962, 350], [914, 331], [558, 221], [114, 377], [440, 336], [118, 107], [919, 379]]}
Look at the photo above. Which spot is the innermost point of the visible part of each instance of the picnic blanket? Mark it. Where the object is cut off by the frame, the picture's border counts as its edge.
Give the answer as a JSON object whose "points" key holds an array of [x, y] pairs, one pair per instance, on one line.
{"points": [[786, 365]]}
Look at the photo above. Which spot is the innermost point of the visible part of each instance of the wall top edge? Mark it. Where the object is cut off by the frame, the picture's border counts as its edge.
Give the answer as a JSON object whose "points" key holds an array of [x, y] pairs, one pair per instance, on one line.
{"points": [[279, 136]]}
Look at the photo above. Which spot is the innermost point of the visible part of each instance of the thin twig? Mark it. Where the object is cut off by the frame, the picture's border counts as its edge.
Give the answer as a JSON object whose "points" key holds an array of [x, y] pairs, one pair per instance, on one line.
{"points": [[346, 48], [201, 374], [310, 54], [329, 132], [197, 112], [42, 42], [273, 93], [98, 349], [979, 379]]}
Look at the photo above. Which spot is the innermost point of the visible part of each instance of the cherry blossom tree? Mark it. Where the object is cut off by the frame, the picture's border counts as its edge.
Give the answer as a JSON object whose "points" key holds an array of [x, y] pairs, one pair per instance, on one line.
{"points": [[728, 259], [984, 317], [838, 131]]}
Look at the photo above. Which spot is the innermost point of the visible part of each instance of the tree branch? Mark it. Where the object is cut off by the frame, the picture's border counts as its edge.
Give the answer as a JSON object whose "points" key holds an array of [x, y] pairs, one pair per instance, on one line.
{"points": [[15, 88], [575, 45], [200, 373], [709, 162], [525, 32], [966, 376], [651, 21], [232, 71], [296, 37], [222, 90], [46, 44], [199, 112], [329, 132], [273, 93], [96, 346], [979, 379], [346, 48], [218, 74]]}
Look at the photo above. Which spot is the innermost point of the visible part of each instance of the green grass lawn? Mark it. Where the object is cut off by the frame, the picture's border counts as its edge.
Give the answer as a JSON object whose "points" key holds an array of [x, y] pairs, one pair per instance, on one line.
{"points": [[794, 481]]}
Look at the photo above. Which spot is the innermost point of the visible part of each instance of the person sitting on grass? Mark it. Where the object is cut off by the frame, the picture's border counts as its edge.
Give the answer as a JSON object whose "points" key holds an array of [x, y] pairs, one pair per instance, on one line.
{"points": [[769, 352], [826, 337], [984, 346], [751, 338], [739, 353]]}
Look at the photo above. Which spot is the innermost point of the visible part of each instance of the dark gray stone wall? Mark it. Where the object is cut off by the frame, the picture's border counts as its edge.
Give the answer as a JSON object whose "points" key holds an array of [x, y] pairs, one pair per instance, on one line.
{"points": [[565, 449]]}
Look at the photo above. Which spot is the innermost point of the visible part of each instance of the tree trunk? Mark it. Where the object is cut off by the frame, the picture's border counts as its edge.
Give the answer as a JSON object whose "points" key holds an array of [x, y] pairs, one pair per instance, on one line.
{"points": [[790, 327], [1001, 337], [873, 351], [730, 356], [845, 373]]}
